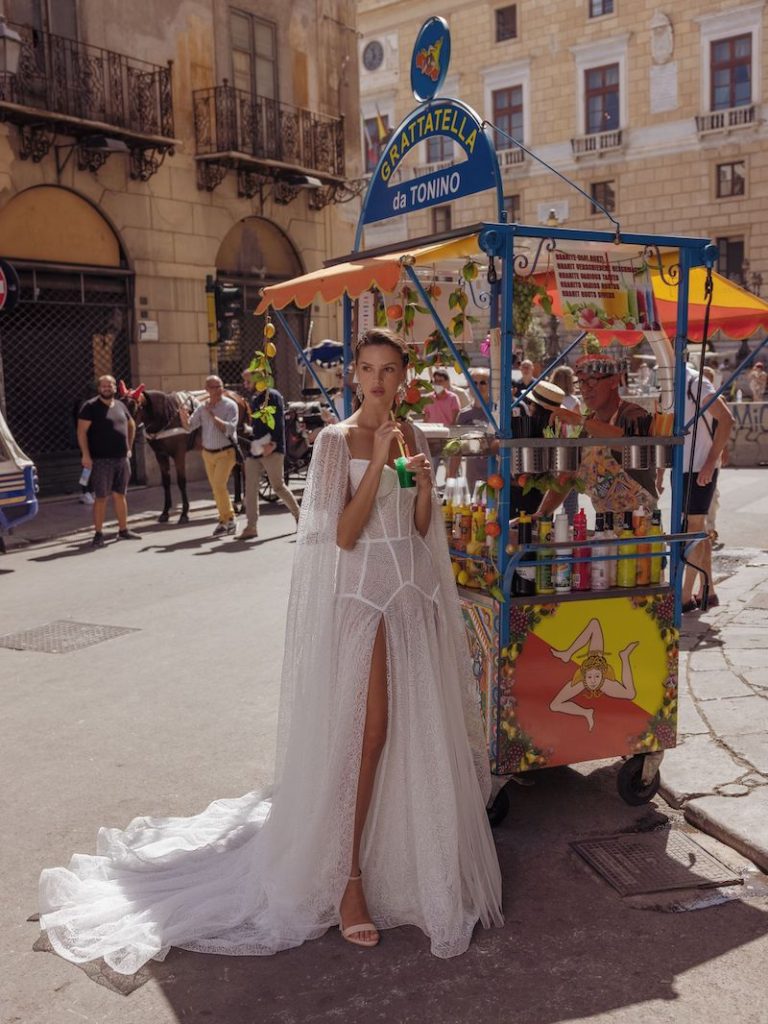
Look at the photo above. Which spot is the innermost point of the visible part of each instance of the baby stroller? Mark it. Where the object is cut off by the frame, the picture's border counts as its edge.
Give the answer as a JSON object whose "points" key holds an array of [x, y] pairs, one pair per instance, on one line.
{"points": [[18, 484]]}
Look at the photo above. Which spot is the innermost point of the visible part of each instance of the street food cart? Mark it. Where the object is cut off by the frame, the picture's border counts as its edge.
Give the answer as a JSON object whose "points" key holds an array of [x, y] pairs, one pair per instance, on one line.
{"points": [[562, 677]]}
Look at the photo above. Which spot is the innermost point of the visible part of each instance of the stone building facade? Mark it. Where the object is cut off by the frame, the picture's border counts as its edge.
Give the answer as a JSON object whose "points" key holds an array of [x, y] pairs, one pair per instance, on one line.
{"points": [[149, 148], [658, 112]]}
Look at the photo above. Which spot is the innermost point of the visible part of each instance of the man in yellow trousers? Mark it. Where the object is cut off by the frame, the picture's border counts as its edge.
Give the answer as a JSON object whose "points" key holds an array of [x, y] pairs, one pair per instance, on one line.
{"points": [[218, 418]]}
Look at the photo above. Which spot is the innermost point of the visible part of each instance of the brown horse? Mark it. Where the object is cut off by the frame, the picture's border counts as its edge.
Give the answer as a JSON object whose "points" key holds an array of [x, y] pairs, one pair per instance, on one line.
{"points": [[158, 413]]}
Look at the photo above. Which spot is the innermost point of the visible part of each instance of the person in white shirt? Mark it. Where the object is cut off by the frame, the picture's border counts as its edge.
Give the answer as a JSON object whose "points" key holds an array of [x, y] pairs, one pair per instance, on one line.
{"points": [[714, 429], [218, 419]]}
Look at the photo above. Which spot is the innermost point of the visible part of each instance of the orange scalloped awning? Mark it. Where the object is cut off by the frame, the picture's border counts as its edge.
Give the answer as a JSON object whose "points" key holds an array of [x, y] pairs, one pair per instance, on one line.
{"points": [[358, 276]]}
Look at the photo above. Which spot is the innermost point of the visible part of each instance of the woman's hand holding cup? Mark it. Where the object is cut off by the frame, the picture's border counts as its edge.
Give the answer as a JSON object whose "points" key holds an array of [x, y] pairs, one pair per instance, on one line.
{"points": [[421, 468]]}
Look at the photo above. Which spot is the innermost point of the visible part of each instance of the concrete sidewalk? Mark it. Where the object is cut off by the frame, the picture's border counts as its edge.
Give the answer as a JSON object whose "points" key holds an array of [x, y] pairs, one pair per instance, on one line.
{"points": [[718, 774]]}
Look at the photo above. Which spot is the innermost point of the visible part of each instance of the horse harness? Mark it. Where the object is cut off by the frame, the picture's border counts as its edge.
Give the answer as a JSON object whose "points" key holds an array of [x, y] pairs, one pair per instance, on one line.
{"points": [[188, 399]]}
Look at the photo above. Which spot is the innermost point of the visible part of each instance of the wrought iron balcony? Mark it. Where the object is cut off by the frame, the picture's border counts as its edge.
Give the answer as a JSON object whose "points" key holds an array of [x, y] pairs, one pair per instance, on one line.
{"points": [[265, 141], [596, 143], [65, 87], [726, 120]]}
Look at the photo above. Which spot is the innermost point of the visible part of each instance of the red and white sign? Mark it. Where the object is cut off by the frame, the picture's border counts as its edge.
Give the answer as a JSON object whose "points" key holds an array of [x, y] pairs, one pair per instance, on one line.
{"points": [[608, 294], [9, 286]]}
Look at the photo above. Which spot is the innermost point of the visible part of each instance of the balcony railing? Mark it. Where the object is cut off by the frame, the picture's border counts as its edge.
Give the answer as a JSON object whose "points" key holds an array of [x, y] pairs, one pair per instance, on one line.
{"points": [[419, 170], [59, 76], [596, 143], [511, 157], [725, 120], [231, 124]]}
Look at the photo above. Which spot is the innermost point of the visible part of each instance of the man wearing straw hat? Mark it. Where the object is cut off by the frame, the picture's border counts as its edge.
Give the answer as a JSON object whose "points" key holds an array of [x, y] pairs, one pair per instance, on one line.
{"points": [[610, 486]]}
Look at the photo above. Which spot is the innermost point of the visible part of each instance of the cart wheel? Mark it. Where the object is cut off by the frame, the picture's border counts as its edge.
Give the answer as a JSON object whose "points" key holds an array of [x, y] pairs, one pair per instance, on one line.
{"points": [[499, 809], [629, 782]]}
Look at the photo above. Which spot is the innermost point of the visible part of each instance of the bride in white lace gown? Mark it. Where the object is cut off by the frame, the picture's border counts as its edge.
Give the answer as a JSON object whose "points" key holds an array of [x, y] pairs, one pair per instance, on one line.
{"points": [[377, 818]]}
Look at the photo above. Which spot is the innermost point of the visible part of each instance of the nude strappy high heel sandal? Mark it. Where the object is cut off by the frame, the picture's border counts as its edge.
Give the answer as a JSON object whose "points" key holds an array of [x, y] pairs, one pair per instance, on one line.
{"points": [[354, 930]]}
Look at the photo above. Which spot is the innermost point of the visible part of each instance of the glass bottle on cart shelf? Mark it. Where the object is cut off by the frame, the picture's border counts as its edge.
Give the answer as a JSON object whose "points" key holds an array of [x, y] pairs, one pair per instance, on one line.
{"points": [[561, 571], [462, 515], [626, 574], [657, 567], [581, 575], [524, 581], [448, 496], [643, 571], [601, 575], [478, 516], [611, 549], [544, 584]]}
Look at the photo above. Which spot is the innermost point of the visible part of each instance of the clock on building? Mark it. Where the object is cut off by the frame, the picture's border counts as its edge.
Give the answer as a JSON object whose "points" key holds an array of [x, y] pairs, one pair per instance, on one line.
{"points": [[373, 55]]}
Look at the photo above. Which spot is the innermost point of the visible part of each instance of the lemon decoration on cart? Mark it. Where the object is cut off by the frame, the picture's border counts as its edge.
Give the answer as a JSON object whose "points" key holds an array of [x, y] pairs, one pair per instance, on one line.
{"points": [[260, 369]]}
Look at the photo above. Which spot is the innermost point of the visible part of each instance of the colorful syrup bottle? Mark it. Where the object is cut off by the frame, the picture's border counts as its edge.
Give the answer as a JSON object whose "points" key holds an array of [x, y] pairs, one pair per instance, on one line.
{"points": [[643, 571], [478, 513], [447, 507], [600, 573], [524, 580], [611, 549], [581, 577], [462, 515], [544, 583], [656, 529], [561, 571], [626, 573]]}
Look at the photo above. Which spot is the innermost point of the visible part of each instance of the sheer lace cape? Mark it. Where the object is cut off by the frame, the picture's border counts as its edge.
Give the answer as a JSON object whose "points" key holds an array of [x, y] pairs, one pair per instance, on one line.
{"points": [[253, 875]]}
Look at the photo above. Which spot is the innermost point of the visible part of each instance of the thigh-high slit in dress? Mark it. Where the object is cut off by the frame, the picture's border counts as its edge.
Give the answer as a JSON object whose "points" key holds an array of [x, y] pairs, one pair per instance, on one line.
{"points": [[265, 872]]}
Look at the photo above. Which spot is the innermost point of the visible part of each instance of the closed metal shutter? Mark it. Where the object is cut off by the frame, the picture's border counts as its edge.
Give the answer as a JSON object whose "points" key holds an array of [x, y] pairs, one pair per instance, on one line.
{"points": [[69, 327]]}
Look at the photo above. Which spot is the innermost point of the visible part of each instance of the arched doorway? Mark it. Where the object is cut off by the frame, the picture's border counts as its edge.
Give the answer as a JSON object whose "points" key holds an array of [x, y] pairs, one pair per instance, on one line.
{"points": [[255, 253], [71, 325]]}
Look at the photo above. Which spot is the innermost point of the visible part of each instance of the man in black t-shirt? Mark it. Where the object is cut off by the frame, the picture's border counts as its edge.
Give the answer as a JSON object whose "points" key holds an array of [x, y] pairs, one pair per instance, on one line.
{"points": [[105, 433]]}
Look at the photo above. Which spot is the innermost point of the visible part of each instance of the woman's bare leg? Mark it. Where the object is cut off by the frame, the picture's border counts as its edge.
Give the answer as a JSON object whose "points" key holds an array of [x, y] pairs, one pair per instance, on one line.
{"points": [[353, 909], [591, 635]]}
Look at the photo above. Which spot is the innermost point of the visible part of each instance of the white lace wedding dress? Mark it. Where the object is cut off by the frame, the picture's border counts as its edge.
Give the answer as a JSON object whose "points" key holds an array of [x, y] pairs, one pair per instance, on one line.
{"points": [[255, 875]]}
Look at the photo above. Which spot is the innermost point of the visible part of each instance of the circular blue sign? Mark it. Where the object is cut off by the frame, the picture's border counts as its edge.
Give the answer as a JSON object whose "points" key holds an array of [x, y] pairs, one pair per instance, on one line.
{"points": [[431, 55]]}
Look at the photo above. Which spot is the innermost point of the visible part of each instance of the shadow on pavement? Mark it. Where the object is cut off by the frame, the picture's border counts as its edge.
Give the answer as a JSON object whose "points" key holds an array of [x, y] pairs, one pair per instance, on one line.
{"points": [[696, 635], [570, 948], [235, 546], [80, 547]]}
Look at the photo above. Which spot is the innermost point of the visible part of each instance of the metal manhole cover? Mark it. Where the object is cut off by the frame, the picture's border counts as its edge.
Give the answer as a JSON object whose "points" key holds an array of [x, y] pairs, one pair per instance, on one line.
{"points": [[62, 636], [654, 862]]}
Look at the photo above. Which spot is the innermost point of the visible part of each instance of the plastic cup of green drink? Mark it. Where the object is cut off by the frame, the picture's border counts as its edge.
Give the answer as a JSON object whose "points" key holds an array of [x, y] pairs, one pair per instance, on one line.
{"points": [[404, 475]]}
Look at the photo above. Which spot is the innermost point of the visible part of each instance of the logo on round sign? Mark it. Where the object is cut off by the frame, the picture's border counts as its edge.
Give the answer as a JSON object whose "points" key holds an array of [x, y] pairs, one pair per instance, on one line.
{"points": [[431, 55]]}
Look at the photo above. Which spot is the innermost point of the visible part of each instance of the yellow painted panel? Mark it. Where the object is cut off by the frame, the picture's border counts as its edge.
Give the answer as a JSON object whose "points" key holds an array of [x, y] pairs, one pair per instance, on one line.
{"points": [[50, 224]]}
